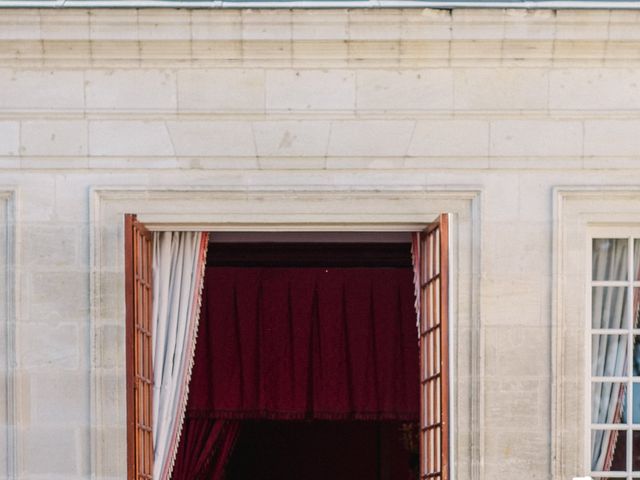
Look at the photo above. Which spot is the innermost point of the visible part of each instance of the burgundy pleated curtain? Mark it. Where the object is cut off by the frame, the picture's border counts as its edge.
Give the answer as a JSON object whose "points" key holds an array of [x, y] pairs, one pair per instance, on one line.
{"points": [[299, 343]]}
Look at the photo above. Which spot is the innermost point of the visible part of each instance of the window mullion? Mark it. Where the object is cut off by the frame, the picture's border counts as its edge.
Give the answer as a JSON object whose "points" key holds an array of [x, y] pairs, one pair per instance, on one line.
{"points": [[629, 406]]}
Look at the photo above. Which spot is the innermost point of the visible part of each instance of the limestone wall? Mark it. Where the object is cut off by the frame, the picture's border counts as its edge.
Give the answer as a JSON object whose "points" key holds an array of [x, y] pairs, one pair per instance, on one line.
{"points": [[489, 114]]}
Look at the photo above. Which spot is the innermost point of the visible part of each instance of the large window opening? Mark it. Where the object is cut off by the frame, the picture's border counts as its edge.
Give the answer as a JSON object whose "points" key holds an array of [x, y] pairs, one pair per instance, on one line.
{"points": [[615, 358], [307, 353]]}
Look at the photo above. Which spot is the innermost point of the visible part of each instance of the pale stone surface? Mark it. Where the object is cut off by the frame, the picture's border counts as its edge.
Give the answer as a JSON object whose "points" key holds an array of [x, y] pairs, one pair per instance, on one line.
{"points": [[49, 346], [501, 89], [455, 138], [212, 138], [131, 89], [405, 90], [41, 89], [59, 397], [310, 89], [53, 138], [291, 138], [221, 89], [135, 138], [612, 138], [374, 138], [201, 115], [51, 451], [595, 88], [536, 138], [9, 138]]}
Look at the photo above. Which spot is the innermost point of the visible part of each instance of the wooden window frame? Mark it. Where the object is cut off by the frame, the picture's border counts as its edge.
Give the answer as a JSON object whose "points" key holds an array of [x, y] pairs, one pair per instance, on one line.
{"points": [[138, 244], [433, 283]]}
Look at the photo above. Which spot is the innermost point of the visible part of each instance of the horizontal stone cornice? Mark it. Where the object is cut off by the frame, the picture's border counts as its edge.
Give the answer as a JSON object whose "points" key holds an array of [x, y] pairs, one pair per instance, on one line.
{"points": [[322, 38]]}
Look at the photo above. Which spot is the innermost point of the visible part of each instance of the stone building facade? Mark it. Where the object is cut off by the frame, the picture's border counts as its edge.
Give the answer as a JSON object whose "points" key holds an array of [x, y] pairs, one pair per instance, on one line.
{"points": [[523, 124]]}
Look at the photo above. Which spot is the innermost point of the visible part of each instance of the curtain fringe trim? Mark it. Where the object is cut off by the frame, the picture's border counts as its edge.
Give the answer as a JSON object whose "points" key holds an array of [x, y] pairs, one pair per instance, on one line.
{"points": [[183, 404]]}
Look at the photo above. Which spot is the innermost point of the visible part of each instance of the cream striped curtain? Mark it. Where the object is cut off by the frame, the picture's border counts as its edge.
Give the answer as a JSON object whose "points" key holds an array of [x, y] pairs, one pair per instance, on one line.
{"points": [[178, 270]]}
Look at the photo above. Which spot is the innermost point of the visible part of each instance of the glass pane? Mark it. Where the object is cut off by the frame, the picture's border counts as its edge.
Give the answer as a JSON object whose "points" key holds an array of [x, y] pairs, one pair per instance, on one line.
{"points": [[609, 259], [609, 402], [636, 259], [635, 309], [609, 307], [636, 355], [635, 460], [636, 405], [609, 356], [608, 450]]}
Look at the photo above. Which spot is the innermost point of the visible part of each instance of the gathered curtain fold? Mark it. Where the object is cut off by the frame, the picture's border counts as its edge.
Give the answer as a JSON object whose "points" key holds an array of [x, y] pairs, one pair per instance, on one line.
{"points": [[205, 448], [306, 343], [178, 268]]}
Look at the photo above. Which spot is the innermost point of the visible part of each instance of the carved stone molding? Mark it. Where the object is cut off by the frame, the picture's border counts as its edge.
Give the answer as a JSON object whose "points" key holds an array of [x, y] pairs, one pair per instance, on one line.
{"points": [[320, 38], [579, 213], [8, 316], [304, 210]]}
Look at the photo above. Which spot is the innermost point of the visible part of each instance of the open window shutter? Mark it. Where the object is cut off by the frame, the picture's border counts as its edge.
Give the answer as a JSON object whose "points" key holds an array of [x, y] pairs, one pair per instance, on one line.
{"points": [[434, 351], [138, 281]]}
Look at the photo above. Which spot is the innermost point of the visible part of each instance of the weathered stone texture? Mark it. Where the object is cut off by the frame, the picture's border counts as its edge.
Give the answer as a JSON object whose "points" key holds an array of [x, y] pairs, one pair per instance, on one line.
{"points": [[507, 104]]}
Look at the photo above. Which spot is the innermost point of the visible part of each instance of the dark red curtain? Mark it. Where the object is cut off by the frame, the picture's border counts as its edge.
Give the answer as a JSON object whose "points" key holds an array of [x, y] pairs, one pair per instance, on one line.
{"points": [[306, 343], [205, 446]]}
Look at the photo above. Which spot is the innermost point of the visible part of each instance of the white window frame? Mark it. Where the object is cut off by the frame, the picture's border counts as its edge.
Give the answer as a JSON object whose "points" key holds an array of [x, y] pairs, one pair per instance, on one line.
{"points": [[579, 214], [631, 234]]}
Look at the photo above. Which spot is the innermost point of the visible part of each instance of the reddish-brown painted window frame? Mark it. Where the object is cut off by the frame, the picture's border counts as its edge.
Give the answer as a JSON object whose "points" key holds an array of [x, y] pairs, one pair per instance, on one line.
{"points": [[138, 243], [434, 352], [433, 273]]}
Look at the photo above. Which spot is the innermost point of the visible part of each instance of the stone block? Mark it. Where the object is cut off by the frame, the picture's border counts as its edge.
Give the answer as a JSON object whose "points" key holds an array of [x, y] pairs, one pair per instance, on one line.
{"points": [[607, 138], [594, 89], [310, 90], [291, 138], [131, 89], [430, 25], [113, 24], [516, 351], [41, 89], [221, 89], [223, 138], [129, 138], [376, 25], [155, 24], [266, 25], [536, 138], [216, 24], [51, 246], [47, 346], [58, 398], [377, 138], [71, 25], [17, 24], [500, 89], [425, 89], [50, 451], [53, 138], [9, 138], [319, 25], [450, 138], [57, 296]]}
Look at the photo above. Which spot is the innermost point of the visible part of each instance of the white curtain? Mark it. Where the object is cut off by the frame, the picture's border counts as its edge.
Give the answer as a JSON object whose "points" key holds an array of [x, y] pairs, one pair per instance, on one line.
{"points": [[178, 271], [609, 352]]}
